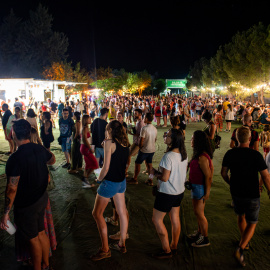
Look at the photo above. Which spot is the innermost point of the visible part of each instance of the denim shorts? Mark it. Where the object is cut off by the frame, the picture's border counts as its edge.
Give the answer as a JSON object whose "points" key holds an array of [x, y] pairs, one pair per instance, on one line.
{"points": [[66, 144], [99, 152], [148, 157], [197, 191], [108, 189], [248, 207]]}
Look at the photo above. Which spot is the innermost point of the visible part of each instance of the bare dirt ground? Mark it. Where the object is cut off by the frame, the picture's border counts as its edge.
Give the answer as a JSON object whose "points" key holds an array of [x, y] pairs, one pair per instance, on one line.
{"points": [[78, 237]]}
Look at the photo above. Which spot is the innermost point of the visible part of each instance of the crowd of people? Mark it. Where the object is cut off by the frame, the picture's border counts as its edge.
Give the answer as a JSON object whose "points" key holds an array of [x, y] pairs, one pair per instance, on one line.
{"points": [[96, 131]]}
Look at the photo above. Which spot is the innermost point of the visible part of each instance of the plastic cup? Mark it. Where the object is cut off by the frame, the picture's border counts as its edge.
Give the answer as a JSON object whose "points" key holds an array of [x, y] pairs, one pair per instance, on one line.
{"points": [[11, 230], [92, 147]]}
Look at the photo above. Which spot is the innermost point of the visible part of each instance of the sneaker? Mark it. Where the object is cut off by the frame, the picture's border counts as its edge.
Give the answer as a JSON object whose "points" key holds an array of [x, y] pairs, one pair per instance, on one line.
{"points": [[239, 257], [194, 236], [116, 246], [111, 221], [162, 255], [100, 255], [201, 242], [117, 236], [66, 165], [225, 130], [86, 184]]}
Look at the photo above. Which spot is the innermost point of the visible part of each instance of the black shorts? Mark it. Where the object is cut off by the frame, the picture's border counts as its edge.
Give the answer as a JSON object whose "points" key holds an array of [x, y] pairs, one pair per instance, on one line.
{"points": [[165, 202], [46, 144], [248, 207], [30, 220], [148, 157], [228, 121]]}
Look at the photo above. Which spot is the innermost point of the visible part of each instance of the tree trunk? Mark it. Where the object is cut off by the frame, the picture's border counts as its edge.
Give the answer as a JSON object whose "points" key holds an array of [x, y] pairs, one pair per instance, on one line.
{"points": [[252, 99], [262, 99]]}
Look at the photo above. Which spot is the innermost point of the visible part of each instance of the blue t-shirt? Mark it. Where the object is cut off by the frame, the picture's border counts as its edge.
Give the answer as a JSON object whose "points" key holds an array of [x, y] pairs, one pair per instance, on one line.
{"points": [[263, 118], [65, 127], [60, 109]]}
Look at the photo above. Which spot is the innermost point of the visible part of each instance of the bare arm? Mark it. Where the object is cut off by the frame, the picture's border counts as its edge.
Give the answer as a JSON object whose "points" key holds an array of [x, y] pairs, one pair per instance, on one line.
{"points": [[256, 146], [84, 137], [47, 126], [52, 160], [10, 194], [266, 179], [141, 142], [77, 134], [162, 176], [225, 175], [232, 144], [204, 165], [108, 145], [212, 132]]}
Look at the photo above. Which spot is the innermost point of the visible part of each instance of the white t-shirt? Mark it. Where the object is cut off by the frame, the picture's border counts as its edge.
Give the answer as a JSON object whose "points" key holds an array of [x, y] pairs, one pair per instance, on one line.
{"points": [[149, 133], [176, 184]]}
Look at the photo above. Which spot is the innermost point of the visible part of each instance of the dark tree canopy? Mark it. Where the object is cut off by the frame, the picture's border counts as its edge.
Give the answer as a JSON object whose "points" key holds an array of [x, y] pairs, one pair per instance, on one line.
{"points": [[26, 47]]}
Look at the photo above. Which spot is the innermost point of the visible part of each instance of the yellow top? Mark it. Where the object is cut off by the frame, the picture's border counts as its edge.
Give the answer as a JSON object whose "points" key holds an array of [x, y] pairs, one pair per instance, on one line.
{"points": [[225, 105]]}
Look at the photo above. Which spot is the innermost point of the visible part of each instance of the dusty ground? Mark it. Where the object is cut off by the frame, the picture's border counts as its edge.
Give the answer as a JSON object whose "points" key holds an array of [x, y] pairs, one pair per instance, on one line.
{"points": [[77, 234]]}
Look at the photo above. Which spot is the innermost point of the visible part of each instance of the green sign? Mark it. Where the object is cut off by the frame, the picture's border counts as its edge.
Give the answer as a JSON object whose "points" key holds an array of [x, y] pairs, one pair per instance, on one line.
{"points": [[176, 83]]}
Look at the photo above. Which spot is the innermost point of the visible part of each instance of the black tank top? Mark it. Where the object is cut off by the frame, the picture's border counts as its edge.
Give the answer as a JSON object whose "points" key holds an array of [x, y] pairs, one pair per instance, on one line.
{"points": [[117, 169]]}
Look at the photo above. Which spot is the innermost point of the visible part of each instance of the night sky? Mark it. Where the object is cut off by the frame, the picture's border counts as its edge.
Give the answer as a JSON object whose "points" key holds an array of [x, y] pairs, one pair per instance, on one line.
{"points": [[165, 38]]}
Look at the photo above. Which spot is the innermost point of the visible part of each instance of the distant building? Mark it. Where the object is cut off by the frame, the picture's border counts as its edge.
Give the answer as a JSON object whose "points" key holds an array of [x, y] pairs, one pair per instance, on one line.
{"points": [[30, 88]]}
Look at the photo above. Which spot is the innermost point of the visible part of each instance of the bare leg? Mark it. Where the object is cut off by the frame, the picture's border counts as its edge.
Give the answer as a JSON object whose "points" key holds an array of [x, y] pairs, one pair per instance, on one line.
{"points": [[247, 235], [67, 156], [137, 170], [99, 208], [161, 229], [198, 206], [120, 204], [176, 226], [36, 253], [45, 243]]}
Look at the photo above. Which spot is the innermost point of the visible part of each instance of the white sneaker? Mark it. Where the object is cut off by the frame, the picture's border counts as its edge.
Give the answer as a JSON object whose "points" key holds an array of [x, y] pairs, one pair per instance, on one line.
{"points": [[85, 185]]}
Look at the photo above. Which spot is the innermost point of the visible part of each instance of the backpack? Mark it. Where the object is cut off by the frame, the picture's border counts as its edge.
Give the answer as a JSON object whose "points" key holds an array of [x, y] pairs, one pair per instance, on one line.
{"points": [[193, 106]]}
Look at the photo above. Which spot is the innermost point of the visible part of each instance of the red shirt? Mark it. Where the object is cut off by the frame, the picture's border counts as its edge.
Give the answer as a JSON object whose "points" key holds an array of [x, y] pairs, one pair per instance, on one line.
{"points": [[196, 175]]}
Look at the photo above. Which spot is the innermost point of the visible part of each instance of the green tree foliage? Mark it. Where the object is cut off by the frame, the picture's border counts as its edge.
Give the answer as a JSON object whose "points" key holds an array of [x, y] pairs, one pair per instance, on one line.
{"points": [[28, 46], [242, 65], [119, 80]]}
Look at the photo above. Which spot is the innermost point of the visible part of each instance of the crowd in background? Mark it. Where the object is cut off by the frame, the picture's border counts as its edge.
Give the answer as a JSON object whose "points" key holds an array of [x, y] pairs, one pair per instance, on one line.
{"points": [[97, 130]]}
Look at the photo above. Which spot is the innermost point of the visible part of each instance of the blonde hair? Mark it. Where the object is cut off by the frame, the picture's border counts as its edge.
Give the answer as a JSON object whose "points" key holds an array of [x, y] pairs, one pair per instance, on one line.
{"points": [[243, 134]]}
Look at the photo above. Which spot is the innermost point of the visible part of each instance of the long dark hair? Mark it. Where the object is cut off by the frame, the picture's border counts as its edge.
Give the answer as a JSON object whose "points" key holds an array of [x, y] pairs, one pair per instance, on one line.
{"points": [[177, 141], [201, 143], [118, 133]]}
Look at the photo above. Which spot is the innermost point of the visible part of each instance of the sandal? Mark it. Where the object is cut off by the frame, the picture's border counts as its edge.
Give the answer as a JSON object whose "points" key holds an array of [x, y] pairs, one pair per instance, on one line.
{"points": [[100, 255], [149, 182], [116, 246], [132, 181], [111, 221]]}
